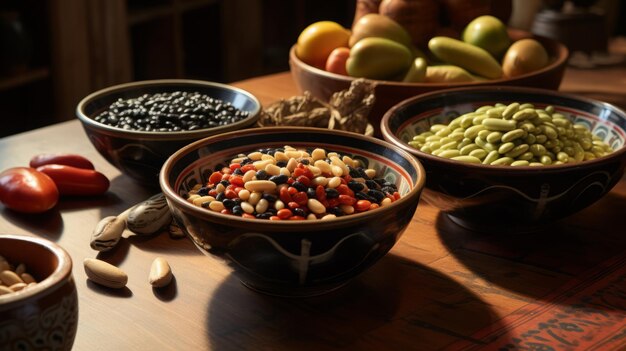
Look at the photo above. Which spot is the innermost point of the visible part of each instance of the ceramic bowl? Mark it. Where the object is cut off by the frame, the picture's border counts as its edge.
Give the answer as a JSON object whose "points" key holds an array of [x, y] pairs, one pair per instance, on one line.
{"points": [[505, 197], [293, 258], [141, 154], [323, 84], [44, 316]]}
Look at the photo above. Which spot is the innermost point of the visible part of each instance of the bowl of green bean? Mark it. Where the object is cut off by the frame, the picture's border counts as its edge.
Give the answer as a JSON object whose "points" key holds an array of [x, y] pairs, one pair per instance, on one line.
{"points": [[510, 157]]}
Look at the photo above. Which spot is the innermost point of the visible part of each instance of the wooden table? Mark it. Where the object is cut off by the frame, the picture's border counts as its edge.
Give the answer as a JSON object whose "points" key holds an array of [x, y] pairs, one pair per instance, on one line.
{"points": [[440, 286]]}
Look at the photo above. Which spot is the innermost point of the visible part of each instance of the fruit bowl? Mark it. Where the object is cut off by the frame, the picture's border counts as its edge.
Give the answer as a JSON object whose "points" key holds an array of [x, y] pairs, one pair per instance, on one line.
{"points": [[323, 84], [293, 257], [507, 198]]}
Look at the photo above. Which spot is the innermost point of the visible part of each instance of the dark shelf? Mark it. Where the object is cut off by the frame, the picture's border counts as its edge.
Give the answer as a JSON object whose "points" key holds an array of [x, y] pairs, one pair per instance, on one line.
{"points": [[27, 77]]}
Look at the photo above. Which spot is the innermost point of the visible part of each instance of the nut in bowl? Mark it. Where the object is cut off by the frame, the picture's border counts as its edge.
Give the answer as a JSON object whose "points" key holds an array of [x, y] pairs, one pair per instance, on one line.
{"points": [[560, 172], [137, 126], [283, 246], [41, 312]]}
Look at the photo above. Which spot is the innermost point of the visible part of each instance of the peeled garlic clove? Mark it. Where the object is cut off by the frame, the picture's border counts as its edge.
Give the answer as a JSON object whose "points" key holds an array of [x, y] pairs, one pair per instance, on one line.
{"points": [[108, 233], [104, 273], [160, 273], [149, 216]]}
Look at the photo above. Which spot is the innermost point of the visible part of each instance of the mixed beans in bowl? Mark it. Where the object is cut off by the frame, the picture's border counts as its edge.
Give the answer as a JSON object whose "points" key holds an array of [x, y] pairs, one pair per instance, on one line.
{"points": [[296, 211], [137, 126], [511, 158]]}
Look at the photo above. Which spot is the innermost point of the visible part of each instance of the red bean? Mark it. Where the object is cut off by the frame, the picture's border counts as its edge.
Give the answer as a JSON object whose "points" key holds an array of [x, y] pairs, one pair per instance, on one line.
{"points": [[27, 190], [234, 166], [320, 192], [284, 213], [73, 160], [76, 181], [346, 200], [236, 180], [274, 218], [215, 177], [284, 195], [296, 218], [362, 205], [247, 215]]}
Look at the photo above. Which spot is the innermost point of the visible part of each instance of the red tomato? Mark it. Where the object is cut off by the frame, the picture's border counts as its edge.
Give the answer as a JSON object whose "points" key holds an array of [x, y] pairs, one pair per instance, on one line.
{"points": [[25, 189], [61, 159], [336, 61], [76, 181]]}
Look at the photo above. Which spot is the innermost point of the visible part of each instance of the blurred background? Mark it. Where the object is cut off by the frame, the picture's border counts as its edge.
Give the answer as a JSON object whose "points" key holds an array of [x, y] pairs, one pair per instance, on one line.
{"points": [[53, 52]]}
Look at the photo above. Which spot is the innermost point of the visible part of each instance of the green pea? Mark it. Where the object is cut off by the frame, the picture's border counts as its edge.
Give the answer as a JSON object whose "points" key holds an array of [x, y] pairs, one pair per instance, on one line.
{"points": [[478, 153], [491, 156], [506, 147], [512, 135], [465, 150], [499, 124], [449, 153], [510, 110], [494, 137], [502, 161], [466, 158], [520, 163], [472, 132]]}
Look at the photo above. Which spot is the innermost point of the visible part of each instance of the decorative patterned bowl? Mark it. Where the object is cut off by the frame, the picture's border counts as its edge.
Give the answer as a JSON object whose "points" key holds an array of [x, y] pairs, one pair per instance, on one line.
{"points": [[323, 84], [293, 258], [141, 154], [504, 197], [45, 316]]}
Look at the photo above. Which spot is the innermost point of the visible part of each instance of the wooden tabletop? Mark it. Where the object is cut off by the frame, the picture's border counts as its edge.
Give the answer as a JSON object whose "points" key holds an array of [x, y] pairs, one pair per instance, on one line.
{"points": [[441, 286]]}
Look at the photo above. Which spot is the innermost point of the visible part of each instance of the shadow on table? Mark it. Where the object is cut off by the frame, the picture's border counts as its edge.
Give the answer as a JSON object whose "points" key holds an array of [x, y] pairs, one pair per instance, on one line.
{"points": [[396, 304], [535, 263], [48, 224]]}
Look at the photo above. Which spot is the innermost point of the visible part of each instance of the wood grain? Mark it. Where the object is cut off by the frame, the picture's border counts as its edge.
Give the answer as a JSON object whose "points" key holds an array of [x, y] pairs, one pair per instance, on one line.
{"points": [[440, 284]]}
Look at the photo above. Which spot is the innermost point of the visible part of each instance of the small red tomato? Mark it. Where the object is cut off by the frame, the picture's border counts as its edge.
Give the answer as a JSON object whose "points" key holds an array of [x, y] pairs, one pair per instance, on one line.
{"points": [[27, 190], [61, 159], [76, 181], [336, 61]]}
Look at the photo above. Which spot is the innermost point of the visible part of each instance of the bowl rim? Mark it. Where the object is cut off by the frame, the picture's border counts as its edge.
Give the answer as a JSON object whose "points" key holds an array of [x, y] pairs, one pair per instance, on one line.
{"points": [[88, 121], [287, 226], [62, 271], [392, 138], [560, 58]]}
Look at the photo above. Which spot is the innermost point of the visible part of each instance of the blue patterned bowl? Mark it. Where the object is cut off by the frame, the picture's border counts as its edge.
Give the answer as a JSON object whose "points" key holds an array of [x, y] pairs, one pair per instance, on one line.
{"points": [[503, 197], [293, 258], [140, 154]]}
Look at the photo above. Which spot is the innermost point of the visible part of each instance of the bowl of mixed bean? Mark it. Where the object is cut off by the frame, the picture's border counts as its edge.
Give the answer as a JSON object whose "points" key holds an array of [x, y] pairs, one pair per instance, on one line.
{"points": [[38, 299], [295, 211], [508, 158], [137, 126]]}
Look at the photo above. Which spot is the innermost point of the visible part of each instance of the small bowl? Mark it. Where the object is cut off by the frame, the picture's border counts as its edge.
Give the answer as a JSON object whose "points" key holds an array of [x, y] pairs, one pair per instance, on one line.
{"points": [[140, 154], [44, 316], [293, 258], [485, 197], [323, 84]]}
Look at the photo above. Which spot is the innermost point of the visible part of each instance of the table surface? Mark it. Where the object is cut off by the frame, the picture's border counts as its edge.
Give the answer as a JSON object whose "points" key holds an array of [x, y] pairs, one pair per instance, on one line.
{"points": [[440, 287]]}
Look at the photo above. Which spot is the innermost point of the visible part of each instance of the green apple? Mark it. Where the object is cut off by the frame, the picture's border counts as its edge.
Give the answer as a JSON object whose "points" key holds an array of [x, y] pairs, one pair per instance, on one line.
{"points": [[488, 33]]}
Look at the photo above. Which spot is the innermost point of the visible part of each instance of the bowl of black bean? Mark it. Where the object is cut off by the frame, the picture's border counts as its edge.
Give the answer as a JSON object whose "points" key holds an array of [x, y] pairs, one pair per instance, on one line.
{"points": [[137, 126], [505, 159]]}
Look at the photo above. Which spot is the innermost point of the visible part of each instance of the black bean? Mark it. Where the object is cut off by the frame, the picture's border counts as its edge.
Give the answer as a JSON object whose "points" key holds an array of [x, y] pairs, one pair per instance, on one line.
{"points": [[203, 191], [229, 203], [376, 194], [264, 215], [356, 186], [270, 197], [220, 196], [281, 163], [335, 210], [299, 186], [157, 112], [261, 175], [364, 196], [372, 184], [279, 179], [310, 193], [299, 212], [237, 210], [332, 193]]}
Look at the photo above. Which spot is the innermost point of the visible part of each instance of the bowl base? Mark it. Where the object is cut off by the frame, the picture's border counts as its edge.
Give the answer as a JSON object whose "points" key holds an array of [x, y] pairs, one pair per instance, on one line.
{"points": [[492, 228], [302, 292]]}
